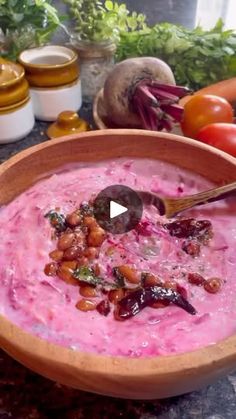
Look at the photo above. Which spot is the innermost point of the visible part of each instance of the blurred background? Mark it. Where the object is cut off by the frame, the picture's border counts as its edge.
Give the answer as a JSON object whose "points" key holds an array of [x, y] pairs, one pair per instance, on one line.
{"points": [[185, 12]]}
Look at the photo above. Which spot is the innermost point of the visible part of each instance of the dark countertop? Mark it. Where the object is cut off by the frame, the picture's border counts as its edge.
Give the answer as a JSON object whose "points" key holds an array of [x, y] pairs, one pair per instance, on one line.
{"points": [[24, 394], [37, 135]]}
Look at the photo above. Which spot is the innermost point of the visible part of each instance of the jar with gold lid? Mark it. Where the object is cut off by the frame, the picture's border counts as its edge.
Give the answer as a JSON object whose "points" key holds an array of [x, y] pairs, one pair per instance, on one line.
{"points": [[54, 78], [16, 111]]}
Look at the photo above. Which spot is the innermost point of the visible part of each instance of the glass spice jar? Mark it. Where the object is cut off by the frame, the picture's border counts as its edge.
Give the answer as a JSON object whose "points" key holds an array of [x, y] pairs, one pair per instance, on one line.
{"points": [[96, 60]]}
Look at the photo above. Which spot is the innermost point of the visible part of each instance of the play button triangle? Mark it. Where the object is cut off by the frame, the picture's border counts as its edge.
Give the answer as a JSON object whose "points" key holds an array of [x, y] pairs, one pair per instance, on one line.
{"points": [[116, 209]]}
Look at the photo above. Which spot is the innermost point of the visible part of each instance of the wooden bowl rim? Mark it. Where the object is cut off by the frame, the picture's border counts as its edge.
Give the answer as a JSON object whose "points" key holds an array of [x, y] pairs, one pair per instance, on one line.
{"points": [[105, 365]]}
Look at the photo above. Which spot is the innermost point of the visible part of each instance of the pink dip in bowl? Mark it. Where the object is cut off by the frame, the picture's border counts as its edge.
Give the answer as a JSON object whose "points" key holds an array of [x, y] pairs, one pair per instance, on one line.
{"points": [[45, 306]]}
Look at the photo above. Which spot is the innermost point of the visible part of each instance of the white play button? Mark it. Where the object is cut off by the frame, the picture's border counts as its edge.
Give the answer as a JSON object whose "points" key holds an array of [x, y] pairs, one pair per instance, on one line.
{"points": [[116, 209]]}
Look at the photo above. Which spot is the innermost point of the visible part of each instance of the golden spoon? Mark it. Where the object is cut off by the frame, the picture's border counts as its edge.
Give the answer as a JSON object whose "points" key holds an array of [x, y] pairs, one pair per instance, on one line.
{"points": [[170, 207]]}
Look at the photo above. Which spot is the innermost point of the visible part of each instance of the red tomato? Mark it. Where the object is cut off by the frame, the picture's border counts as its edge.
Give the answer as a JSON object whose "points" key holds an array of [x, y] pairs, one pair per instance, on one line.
{"points": [[202, 110], [222, 136]]}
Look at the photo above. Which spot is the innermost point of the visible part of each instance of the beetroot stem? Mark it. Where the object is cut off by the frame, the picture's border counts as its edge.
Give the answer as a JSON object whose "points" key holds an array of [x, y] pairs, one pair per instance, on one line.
{"points": [[156, 104], [144, 93], [163, 95], [156, 114], [153, 121], [142, 112], [166, 124], [179, 91], [175, 111]]}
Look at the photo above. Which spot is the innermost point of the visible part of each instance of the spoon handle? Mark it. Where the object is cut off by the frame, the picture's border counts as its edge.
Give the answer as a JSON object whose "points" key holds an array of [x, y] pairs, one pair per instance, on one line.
{"points": [[175, 205]]}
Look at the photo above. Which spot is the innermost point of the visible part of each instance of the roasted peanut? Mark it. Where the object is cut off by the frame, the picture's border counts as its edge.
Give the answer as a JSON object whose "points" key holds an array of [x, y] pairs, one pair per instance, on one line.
{"points": [[65, 241], [130, 274], [72, 253], [50, 269], [170, 284], [213, 285], [196, 279], [56, 255], [90, 222], [91, 253], [150, 280], [96, 237], [65, 272], [96, 269], [88, 291], [82, 261], [116, 295], [86, 305], [74, 219]]}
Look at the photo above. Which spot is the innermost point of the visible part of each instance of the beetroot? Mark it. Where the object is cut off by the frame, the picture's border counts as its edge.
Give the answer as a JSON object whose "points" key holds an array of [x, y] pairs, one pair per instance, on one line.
{"points": [[141, 92]]}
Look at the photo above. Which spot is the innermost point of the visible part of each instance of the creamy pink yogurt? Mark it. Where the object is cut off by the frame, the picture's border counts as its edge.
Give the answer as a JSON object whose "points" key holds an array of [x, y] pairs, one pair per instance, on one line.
{"points": [[45, 306]]}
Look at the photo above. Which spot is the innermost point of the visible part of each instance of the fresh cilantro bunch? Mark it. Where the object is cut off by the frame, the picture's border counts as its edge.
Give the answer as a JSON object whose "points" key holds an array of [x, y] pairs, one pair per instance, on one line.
{"points": [[98, 21], [197, 57], [24, 24]]}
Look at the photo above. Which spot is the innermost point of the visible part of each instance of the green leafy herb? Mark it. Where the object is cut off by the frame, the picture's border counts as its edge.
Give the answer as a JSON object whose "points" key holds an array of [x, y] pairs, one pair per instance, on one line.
{"points": [[24, 24], [57, 220], [197, 57], [98, 21], [86, 209], [86, 274]]}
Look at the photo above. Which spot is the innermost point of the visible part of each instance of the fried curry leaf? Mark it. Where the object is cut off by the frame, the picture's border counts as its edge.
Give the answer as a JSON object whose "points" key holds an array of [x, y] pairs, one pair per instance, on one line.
{"points": [[86, 274], [120, 279], [57, 220]]}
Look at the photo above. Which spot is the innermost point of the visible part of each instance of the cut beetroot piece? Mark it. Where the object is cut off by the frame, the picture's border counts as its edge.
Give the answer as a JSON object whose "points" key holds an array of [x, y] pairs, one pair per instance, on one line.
{"points": [[144, 229], [190, 228], [182, 291], [137, 300], [180, 189], [192, 248], [104, 307], [196, 279]]}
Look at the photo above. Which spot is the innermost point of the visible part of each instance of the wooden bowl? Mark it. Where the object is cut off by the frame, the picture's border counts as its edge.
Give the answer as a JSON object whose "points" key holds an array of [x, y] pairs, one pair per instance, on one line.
{"points": [[145, 378]]}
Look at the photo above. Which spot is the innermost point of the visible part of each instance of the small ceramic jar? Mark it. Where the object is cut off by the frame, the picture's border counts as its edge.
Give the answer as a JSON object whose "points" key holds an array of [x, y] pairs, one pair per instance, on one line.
{"points": [[16, 110], [53, 74]]}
